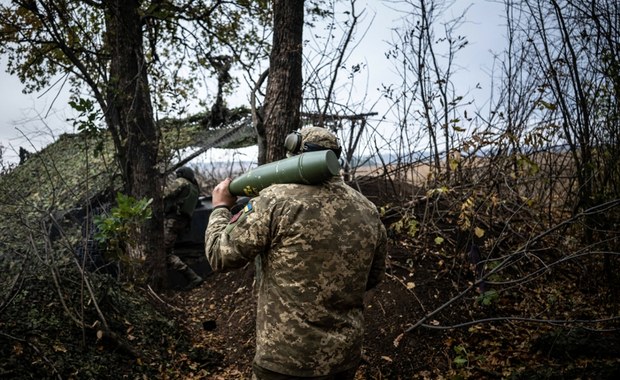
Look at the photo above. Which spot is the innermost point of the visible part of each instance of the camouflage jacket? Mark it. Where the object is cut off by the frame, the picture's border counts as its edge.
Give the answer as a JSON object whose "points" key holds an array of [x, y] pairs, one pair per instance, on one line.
{"points": [[180, 198], [320, 248]]}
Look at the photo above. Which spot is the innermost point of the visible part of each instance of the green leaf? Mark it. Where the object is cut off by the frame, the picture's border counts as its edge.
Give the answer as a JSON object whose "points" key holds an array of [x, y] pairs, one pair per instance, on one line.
{"points": [[488, 297], [460, 361]]}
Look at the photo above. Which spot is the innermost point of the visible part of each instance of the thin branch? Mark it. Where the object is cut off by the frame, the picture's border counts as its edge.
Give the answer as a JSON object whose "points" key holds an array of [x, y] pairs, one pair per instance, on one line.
{"points": [[526, 319], [343, 50]]}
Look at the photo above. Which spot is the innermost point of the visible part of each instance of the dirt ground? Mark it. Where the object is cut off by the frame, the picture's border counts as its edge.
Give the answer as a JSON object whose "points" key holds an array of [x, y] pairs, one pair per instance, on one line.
{"points": [[221, 314]]}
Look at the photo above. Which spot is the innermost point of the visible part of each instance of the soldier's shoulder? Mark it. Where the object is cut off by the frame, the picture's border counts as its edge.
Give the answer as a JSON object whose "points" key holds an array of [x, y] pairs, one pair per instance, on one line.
{"points": [[284, 190], [360, 198]]}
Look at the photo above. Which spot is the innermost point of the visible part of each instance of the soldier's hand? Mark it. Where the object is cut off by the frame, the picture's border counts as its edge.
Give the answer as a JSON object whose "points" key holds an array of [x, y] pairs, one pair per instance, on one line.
{"points": [[221, 196]]}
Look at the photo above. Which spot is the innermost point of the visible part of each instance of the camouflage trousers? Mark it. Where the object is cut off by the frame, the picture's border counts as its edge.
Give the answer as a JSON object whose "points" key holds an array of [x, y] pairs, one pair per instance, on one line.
{"points": [[260, 373], [172, 228]]}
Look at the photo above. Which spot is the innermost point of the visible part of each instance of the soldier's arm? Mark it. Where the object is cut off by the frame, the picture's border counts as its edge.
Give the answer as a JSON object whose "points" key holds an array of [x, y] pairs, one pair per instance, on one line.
{"points": [[233, 242], [216, 243]]}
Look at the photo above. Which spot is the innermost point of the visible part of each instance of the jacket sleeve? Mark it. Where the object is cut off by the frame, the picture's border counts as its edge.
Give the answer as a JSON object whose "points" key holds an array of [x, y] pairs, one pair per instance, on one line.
{"points": [[377, 269], [233, 242]]}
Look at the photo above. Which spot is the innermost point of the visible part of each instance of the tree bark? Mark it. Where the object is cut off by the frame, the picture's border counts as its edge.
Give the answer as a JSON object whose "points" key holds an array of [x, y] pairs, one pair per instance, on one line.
{"points": [[131, 111], [283, 99]]}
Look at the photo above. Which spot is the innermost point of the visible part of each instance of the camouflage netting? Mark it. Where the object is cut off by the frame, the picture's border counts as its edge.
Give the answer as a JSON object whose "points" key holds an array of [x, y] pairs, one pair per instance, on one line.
{"points": [[49, 191], [61, 177]]}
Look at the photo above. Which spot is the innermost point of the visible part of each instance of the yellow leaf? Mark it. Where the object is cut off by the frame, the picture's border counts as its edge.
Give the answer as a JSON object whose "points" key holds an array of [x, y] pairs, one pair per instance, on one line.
{"points": [[387, 358], [454, 164], [410, 285], [479, 232]]}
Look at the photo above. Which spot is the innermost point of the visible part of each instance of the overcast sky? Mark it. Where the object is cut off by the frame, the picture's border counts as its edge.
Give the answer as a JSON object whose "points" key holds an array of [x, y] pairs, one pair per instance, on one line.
{"points": [[35, 120]]}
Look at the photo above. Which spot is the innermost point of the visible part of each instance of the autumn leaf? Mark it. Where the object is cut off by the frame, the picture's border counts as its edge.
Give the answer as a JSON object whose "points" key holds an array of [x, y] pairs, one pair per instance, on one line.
{"points": [[479, 232], [18, 349]]}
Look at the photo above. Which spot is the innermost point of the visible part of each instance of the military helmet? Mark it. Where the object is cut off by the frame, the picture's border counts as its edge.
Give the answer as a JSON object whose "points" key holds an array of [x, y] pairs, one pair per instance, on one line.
{"points": [[185, 172], [312, 139]]}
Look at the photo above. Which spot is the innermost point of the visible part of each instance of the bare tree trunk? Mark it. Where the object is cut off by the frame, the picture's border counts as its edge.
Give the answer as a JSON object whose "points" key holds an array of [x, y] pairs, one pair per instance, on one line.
{"points": [[131, 110], [283, 99]]}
